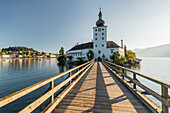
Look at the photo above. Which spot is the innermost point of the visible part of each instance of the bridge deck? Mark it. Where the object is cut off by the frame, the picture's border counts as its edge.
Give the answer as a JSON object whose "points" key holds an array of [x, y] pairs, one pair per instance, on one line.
{"points": [[100, 91]]}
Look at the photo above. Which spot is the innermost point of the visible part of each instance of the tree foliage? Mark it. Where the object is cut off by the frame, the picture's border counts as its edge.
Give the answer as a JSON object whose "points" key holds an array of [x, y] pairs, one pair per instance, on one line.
{"points": [[125, 50], [18, 48], [61, 51], [90, 55], [62, 58], [70, 58], [131, 54], [117, 59]]}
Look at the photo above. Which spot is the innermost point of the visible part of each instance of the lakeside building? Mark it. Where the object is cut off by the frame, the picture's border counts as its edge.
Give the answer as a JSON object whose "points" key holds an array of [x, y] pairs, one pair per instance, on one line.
{"points": [[100, 45]]}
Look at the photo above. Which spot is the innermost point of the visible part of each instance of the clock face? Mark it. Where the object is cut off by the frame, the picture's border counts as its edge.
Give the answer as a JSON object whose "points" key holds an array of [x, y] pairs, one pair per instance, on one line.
{"points": [[99, 29]]}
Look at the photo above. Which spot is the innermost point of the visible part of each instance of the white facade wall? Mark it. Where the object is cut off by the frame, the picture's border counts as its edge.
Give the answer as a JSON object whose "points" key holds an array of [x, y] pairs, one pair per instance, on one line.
{"points": [[78, 53], [100, 41]]}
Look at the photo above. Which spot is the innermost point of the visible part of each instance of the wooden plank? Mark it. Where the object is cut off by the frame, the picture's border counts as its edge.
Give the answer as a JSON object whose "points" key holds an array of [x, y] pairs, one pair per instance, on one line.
{"points": [[51, 107], [100, 92], [148, 90], [154, 108]]}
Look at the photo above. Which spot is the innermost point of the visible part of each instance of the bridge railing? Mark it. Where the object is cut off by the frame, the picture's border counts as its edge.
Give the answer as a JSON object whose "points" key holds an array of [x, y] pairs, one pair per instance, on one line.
{"points": [[164, 98], [71, 80]]}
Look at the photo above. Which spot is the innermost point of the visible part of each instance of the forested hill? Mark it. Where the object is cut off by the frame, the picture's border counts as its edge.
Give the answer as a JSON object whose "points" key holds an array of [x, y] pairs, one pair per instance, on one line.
{"points": [[157, 51], [18, 48]]}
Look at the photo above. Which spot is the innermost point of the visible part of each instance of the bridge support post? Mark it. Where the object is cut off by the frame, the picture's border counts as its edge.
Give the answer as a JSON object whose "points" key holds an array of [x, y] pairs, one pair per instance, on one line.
{"points": [[69, 77], [78, 71], [164, 95], [51, 87], [123, 71], [134, 78]]}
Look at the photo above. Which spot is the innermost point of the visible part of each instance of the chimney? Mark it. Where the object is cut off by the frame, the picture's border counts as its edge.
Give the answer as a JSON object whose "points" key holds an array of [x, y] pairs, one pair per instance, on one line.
{"points": [[122, 43]]}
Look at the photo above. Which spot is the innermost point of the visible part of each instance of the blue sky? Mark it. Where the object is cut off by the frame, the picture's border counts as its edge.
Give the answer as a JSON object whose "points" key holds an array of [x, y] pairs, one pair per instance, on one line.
{"points": [[47, 25]]}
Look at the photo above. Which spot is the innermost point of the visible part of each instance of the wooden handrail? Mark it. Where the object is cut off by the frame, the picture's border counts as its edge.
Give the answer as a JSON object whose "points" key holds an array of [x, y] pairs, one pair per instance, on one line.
{"points": [[164, 97], [40, 100], [142, 75], [14, 96]]}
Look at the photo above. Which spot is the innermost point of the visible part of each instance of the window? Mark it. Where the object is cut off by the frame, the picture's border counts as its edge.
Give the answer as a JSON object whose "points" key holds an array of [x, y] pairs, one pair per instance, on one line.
{"points": [[95, 45], [102, 45], [102, 38], [102, 29], [95, 29], [95, 38], [99, 29], [99, 52], [102, 33], [112, 50], [96, 34]]}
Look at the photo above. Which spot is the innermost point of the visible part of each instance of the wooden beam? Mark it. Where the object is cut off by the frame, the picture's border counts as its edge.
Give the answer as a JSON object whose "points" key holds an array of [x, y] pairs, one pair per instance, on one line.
{"points": [[40, 100], [164, 96], [142, 75], [58, 99], [14, 96]]}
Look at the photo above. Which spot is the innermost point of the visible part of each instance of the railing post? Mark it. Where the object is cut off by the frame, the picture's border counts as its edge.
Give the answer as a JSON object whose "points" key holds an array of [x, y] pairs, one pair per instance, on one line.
{"points": [[123, 71], [78, 71], [69, 77], [134, 78], [51, 87], [164, 95]]}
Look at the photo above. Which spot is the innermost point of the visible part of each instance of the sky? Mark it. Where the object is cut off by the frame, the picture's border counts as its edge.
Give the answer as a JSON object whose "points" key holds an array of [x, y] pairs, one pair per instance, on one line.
{"points": [[48, 25]]}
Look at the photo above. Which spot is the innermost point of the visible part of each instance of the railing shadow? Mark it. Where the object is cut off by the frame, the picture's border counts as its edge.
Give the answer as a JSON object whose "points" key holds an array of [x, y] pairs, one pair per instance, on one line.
{"points": [[126, 95], [78, 86]]}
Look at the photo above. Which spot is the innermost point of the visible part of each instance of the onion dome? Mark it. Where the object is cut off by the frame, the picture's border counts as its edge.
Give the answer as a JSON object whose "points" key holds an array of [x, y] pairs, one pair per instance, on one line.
{"points": [[100, 22]]}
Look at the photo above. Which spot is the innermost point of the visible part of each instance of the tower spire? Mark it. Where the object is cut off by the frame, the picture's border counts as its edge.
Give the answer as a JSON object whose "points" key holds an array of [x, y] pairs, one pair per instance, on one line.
{"points": [[100, 22], [100, 14]]}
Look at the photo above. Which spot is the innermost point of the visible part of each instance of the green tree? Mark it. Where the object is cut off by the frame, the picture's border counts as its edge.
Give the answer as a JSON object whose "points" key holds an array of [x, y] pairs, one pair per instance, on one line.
{"points": [[81, 60], [61, 51], [62, 58], [131, 54], [115, 56], [70, 58], [125, 50], [90, 55]]}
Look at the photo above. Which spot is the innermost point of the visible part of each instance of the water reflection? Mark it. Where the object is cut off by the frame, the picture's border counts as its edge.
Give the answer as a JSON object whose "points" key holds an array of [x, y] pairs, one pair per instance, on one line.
{"points": [[136, 67], [17, 74]]}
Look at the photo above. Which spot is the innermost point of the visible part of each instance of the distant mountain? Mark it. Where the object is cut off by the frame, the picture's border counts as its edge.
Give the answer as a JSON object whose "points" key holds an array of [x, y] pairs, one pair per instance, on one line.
{"points": [[157, 51]]}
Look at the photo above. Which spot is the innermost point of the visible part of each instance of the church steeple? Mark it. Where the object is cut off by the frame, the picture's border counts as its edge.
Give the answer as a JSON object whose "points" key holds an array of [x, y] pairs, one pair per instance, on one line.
{"points": [[100, 22], [100, 14]]}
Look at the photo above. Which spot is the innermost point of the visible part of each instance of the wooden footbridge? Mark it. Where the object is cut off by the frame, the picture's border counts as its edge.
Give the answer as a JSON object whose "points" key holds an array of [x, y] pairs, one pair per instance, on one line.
{"points": [[96, 87]]}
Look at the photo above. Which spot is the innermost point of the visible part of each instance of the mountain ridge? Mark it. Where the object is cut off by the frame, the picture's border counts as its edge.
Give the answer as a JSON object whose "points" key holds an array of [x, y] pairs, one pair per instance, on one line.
{"points": [[156, 51]]}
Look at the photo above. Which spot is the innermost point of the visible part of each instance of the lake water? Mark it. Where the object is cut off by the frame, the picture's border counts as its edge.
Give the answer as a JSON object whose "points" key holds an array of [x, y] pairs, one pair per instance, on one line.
{"points": [[20, 73], [158, 68]]}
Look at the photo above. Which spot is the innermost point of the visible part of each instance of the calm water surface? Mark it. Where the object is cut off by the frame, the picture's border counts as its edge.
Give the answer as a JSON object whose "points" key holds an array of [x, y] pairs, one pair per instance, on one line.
{"points": [[20, 73], [158, 68]]}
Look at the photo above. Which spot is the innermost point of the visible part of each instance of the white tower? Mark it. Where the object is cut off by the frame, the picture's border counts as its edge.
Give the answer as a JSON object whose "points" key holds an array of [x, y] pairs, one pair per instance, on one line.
{"points": [[100, 38]]}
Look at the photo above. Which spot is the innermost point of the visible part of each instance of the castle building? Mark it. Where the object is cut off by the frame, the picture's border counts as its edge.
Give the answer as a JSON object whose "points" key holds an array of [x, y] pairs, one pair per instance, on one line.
{"points": [[101, 47]]}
